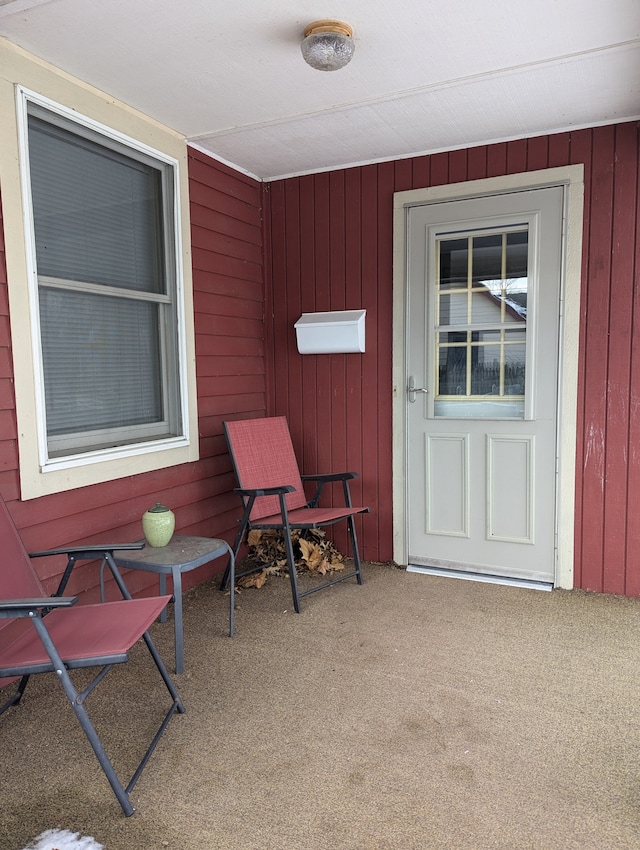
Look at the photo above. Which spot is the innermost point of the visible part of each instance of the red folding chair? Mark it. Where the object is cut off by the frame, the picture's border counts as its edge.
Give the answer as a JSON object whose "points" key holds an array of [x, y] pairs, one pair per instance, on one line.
{"points": [[273, 496], [43, 634]]}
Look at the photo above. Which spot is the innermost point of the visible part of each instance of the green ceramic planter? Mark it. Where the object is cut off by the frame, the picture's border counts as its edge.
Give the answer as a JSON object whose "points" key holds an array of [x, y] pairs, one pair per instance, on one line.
{"points": [[158, 525]]}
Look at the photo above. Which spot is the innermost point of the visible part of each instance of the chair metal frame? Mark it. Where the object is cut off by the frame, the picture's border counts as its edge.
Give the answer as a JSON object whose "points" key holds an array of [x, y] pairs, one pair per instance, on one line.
{"points": [[304, 514], [115, 626]]}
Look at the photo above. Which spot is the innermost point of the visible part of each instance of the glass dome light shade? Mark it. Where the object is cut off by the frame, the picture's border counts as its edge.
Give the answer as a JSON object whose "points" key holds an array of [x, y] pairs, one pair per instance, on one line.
{"points": [[328, 45]]}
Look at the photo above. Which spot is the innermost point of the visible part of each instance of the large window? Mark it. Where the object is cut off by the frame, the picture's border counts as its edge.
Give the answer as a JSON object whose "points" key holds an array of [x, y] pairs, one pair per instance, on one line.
{"points": [[103, 231], [102, 324]]}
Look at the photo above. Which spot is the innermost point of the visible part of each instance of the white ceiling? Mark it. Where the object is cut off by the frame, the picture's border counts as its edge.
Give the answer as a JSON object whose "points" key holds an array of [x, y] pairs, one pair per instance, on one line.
{"points": [[427, 75]]}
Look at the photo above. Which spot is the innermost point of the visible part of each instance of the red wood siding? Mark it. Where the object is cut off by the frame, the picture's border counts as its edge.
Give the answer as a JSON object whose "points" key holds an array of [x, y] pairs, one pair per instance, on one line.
{"points": [[331, 249], [227, 241], [324, 242]]}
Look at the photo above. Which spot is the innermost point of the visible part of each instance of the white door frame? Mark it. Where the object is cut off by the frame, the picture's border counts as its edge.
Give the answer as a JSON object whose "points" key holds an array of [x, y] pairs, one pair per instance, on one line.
{"points": [[571, 177]]}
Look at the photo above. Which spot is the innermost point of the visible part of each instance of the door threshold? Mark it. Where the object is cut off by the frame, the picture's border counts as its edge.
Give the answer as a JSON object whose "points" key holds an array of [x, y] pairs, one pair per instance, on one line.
{"points": [[482, 577]]}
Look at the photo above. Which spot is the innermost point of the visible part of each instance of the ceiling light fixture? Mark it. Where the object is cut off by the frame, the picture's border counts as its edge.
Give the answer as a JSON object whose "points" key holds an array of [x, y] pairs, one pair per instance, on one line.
{"points": [[328, 45]]}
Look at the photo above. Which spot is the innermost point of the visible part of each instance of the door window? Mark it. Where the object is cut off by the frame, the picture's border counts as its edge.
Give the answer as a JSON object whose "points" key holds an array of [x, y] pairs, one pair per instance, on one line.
{"points": [[480, 333]]}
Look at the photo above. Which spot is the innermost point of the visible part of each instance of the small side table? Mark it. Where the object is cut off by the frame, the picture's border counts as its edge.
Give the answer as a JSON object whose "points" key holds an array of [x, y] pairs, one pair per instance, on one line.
{"points": [[182, 554]]}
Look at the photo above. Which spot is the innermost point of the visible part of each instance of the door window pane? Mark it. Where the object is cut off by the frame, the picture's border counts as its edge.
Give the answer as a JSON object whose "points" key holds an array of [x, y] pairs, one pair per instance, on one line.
{"points": [[454, 263]]}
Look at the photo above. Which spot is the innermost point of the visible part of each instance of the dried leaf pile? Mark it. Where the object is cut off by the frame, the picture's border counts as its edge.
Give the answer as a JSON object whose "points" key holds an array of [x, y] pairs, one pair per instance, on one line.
{"points": [[312, 553]]}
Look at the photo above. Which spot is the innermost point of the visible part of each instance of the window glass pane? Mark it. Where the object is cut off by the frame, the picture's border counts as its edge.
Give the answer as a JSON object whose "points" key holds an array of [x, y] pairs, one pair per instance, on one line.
{"points": [[485, 307], [452, 370], [453, 309], [517, 254], [485, 371], [487, 258], [97, 213], [511, 300], [514, 290], [454, 257], [489, 335], [515, 334], [101, 361], [514, 369]]}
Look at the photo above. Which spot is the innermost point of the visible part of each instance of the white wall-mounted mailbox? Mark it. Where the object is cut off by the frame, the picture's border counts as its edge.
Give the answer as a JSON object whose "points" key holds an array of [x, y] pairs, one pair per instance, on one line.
{"points": [[338, 332]]}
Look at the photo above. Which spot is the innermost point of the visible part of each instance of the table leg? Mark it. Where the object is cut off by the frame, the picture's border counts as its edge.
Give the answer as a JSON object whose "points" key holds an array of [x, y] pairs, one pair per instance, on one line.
{"points": [[162, 580], [177, 613]]}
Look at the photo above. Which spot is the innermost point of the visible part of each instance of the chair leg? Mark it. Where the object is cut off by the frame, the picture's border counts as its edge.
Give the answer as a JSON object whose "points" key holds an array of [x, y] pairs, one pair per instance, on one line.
{"points": [[244, 522], [354, 548], [166, 678], [77, 702], [17, 696], [291, 561], [293, 576]]}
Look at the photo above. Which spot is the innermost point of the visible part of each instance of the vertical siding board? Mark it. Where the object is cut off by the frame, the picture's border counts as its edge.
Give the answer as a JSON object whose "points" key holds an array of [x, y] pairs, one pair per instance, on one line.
{"points": [[337, 245], [291, 306], [333, 428], [458, 168], [439, 169], [278, 320], [322, 447], [308, 390], [477, 163], [321, 294], [269, 359], [619, 360], [370, 285], [559, 147], [354, 301], [421, 172], [537, 153], [517, 156], [404, 175], [496, 160], [596, 362]]}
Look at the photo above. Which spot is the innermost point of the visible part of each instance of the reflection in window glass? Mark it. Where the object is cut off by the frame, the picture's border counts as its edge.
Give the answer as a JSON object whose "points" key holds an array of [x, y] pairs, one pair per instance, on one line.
{"points": [[487, 258], [454, 263]]}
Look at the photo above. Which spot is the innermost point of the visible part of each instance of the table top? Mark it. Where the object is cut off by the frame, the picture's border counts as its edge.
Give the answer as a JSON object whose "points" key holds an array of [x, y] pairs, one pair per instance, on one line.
{"points": [[182, 552]]}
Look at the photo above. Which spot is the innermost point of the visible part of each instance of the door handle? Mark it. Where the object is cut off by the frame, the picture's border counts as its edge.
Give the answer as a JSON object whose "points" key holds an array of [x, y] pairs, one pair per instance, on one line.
{"points": [[412, 389]]}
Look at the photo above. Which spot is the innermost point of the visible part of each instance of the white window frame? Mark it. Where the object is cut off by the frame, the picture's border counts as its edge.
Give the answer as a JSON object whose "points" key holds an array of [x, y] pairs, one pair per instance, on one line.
{"points": [[39, 474]]}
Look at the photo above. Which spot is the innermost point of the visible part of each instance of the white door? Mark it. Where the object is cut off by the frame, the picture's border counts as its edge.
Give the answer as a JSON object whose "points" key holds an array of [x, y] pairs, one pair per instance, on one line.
{"points": [[482, 383]]}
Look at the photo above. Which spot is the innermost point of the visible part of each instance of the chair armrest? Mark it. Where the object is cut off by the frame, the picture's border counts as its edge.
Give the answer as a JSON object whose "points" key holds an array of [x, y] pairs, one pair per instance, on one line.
{"points": [[88, 552], [330, 476], [24, 607], [92, 549], [325, 478], [266, 491]]}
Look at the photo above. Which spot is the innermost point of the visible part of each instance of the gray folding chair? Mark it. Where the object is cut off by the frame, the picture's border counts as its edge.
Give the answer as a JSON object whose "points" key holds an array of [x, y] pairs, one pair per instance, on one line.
{"points": [[272, 492], [43, 634]]}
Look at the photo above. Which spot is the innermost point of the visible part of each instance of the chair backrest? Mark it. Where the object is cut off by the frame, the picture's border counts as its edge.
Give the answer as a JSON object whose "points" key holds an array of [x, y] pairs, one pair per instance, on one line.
{"points": [[263, 456], [18, 578]]}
